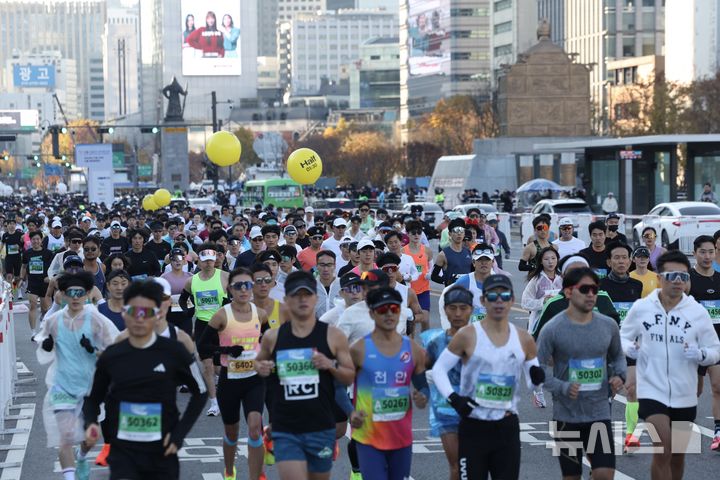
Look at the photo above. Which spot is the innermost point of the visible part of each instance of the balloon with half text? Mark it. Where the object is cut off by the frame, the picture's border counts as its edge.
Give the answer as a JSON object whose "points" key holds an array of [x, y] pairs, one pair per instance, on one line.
{"points": [[304, 166], [162, 197], [148, 203], [223, 149]]}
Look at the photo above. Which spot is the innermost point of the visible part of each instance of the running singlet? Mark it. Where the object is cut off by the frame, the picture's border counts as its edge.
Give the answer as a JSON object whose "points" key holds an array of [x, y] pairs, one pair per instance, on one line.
{"points": [[208, 295], [491, 375], [457, 263], [382, 391], [303, 388], [274, 316], [246, 334], [75, 366], [420, 259], [471, 283]]}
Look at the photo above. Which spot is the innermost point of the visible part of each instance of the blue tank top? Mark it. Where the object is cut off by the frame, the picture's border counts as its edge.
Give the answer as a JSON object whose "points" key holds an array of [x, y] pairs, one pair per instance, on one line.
{"points": [[75, 365], [100, 280], [458, 263]]}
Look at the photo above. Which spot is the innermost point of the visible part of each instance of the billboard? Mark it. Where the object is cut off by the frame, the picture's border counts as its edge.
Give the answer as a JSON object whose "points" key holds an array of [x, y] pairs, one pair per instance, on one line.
{"points": [[29, 76], [429, 37], [18, 120], [211, 40]]}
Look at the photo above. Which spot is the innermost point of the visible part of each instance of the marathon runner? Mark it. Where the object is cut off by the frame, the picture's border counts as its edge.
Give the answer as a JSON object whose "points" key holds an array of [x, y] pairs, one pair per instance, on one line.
{"points": [[308, 256], [567, 244], [411, 311], [351, 292], [386, 363], [143, 262], [257, 245], [115, 243], [35, 264], [529, 258], [137, 379], [494, 353], [112, 308], [276, 312], [55, 240], [669, 328], [14, 246], [91, 262], [308, 355], [422, 258], [705, 288], [596, 253], [642, 272], [454, 260], [328, 286], [613, 224], [582, 356]]}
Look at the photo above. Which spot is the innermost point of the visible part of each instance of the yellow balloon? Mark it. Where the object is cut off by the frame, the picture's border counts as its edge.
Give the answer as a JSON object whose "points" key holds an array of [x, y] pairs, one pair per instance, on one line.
{"points": [[148, 203], [162, 197], [304, 166], [223, 149]]}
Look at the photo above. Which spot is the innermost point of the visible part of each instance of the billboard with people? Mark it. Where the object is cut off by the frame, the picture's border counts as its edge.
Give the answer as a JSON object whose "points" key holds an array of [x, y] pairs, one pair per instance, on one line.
{"points": [[211, 38], [429, 37]]}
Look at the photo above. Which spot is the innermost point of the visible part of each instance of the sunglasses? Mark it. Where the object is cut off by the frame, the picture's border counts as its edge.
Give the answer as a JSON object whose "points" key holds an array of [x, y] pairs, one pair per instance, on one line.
{"points": [[299, 226], [415, 232], [364, 209], [587, 288], [141, 312], [93, 249], [316, 237], [390, 268], [566, 227], [178, 258], [75, 292], [342, 227], [264, 280], [352, 289], [76, 242], [115, 227], [474, 215], [285, 258], [542, 228], [676, 276], [246, 285], [493, 296], [390, 307], [257, 239], [369, 276], [458, 230], [326, 265], [649, 236]]}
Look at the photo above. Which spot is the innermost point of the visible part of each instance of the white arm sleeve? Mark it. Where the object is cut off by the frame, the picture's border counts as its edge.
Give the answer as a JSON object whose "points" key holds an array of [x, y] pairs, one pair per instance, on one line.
{"points": [[443, 365]]}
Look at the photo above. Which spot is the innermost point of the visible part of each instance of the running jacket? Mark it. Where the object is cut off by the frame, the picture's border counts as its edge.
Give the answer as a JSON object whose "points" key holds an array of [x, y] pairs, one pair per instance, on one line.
{"points": [[663, 372]]}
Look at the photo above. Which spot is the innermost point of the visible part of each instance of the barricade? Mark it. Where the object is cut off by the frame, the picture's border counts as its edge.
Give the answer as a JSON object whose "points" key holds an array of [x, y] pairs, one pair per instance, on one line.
{"points": [[687, 232], [8, 362], [583, 222], [504, 223]]}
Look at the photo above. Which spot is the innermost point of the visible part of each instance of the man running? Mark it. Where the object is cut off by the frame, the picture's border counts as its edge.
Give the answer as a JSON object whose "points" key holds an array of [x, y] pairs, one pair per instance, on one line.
{"points": [[386, 363], [567, 244], [308, 355], [595, 253], [581, 353], [669, 328], [137, 379], [35, 265], [454, 260], [422, 259], [541, 239], [494, 353]]}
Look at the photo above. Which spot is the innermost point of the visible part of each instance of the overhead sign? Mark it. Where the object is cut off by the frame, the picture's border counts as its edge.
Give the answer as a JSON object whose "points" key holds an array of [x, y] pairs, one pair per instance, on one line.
{"points": [[18, 120], [94, 155], [145, 170], [34, 76], [98, 159]]}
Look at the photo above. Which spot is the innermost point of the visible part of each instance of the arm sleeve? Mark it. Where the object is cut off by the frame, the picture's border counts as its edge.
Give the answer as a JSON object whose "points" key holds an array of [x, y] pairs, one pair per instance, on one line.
{"points": [[529, 302], [554, 385], [189, 374], [436, 275], [523, 266], [182, 301], [101, 382], [443, 365], [209, 342]]}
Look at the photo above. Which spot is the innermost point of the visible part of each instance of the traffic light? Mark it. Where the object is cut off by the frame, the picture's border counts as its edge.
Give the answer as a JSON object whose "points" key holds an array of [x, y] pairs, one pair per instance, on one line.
{"points": [[63, 130], [67, 164], [152, 130], [38, 164], [55, 138], [103, 130], [6, 157]]}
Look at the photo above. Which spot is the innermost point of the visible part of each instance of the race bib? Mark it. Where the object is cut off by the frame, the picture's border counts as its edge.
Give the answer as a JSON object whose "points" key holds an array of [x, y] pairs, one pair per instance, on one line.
{"points": [[140, 422], [600, 272], [390, 404], [207, 300], [175, 303], [479, 313], [713, 308], [35, 266], [495, 391], [13, 249], [622, 309], [295, 367], [241, 367], [419, 268], [61, 400], [589, 373]]}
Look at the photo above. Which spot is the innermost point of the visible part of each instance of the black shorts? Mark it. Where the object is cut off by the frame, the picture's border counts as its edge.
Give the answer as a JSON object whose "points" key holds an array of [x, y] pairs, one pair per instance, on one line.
{"points": [[594, 438], [231, 394], [13, 263], [702, 371], [649, 407], [489, 447], [137, 464], [200, 327], [37, 288]]}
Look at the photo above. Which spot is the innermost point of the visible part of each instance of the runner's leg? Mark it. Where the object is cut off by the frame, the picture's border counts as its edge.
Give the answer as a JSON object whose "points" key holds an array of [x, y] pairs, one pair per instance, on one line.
{"points": [[450, 445]]}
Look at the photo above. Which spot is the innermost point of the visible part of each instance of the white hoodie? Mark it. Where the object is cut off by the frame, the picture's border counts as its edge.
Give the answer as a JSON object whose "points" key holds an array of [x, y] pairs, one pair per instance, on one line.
{"points": [[663, 372]]}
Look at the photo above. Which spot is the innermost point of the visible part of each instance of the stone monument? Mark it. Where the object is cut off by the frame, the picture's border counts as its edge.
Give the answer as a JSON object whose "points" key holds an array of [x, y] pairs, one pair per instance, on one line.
{"points": [[175, 166]]}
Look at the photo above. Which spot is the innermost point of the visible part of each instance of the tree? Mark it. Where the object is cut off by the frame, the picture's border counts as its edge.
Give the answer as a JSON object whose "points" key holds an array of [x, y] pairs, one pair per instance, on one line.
{"points": [[247, 137], [78, 132], [702, 112], [421, 158], [368, 157]]}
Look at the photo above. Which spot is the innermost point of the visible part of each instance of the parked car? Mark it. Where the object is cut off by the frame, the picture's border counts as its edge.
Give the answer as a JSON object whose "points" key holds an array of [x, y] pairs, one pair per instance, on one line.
{"points": [[484, 207], [667, 222], [432, 213], [327, 205], [203, 203], [561, 206]]}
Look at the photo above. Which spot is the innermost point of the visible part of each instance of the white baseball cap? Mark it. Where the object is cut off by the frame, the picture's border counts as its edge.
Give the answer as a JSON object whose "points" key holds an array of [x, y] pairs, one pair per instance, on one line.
{"points": [[56, 224], [491, 217], [255, 232], [339, 222], [208, 255], [565, 221], [309, 210], [167, 290], [364, 243]]}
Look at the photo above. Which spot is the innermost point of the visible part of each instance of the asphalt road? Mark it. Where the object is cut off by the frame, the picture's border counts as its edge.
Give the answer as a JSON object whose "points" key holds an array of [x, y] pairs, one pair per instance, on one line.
{"points": [[201, 456]]}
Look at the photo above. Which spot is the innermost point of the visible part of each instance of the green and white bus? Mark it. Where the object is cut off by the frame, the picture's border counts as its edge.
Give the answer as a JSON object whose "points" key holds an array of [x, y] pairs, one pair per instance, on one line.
{"points": [[281, 192]]}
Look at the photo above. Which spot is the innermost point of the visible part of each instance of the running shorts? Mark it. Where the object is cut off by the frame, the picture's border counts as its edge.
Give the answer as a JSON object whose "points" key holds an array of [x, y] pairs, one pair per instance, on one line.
{"points": [[489, 448], [594, 438], [231, 394]]}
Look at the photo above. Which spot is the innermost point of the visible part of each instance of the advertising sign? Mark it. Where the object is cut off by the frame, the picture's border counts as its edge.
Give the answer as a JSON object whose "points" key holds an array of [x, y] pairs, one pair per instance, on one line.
{"points": [[28, 76], [98, 159], [429, 37], [18, 120], [211, 40]]}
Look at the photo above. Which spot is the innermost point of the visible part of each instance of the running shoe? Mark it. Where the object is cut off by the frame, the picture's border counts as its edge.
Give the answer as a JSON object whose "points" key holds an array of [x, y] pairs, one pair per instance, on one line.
{"points": [[715, 445], [232, 476], [262, 476], [539, 398], [631, 443], [82, 467], [101, 459], [355, 476], [269, 456], [214, 410]]}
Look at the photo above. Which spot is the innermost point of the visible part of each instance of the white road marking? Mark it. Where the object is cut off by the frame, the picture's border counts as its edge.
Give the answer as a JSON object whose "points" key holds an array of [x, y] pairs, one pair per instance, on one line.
{"points": [[16, 455]]}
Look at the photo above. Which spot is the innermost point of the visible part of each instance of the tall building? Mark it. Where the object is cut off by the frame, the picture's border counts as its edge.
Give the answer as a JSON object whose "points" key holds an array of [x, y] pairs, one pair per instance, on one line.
{"points": [[375, 77], [122, 63], [73, 27], [267, 27], [444, 51], [692, 39], [96, 90], [602, 30], [513, 32], [321, 44]]}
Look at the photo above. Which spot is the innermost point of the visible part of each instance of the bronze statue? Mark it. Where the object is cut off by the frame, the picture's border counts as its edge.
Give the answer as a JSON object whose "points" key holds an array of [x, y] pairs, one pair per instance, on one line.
{"points": [[172, 92]]}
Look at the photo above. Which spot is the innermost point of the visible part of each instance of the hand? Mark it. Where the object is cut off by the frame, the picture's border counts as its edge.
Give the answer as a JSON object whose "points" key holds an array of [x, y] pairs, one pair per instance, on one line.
{"points": [[321, 362], [85, 343], [419, 399], [537, 375], [633, 351], [693, 353], [462, 405], [92, 433], [357, 418], [171, 448], [48, 344], [616, 384], [264, 367], [235, 351], [573, 391]]}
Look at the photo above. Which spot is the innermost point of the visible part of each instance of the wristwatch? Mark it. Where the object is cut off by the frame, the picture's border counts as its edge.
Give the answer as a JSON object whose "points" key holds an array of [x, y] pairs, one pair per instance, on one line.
{"points": [[335, 364]]}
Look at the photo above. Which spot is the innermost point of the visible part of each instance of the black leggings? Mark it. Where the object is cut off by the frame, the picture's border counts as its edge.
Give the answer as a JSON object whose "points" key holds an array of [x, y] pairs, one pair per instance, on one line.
{"points": [[489, 448]]}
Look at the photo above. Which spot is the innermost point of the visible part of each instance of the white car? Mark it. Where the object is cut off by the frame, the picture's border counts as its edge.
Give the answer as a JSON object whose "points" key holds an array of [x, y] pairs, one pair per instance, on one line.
{"points": [[667, 216], [432, 213], [202, 203], [561, 206], [484, 207]]}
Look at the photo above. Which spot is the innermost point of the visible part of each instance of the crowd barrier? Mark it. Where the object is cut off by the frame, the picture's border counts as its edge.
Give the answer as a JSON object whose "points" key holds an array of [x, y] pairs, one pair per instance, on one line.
{"points": [[8, 362]]}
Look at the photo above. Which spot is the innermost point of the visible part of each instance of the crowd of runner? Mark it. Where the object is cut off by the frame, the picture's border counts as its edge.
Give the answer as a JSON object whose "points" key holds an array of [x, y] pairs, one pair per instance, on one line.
{"points": [[310, 324]]}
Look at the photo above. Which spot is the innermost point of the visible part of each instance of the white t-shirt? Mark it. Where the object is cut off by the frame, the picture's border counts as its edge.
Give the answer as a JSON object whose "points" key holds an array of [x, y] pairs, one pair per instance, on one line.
{"points": [[569, 247]]}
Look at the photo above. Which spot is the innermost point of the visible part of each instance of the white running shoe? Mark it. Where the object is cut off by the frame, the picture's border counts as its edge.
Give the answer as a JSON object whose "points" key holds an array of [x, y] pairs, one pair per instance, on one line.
{"points": [[214, 410]]}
